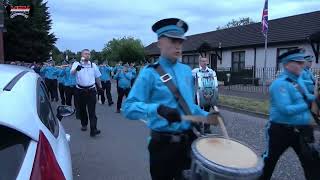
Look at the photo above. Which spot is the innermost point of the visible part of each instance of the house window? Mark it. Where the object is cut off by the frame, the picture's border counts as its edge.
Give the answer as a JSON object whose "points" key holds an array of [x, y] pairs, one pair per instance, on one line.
{"points": [[191, 60], [238, 61], [280, 51]]}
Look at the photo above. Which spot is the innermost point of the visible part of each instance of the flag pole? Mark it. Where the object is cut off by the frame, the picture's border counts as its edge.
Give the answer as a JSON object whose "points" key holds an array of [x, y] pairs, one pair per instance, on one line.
{"points": [[264, 84]]}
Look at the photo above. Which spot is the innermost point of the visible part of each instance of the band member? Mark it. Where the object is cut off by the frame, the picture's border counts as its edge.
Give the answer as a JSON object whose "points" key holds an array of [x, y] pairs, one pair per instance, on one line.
{"points": [[290, 118], [70, 85], [133, 71], [199, 74], [105, 70], [61, 81], [87, 76], [151, 100], [124, 78], [307, 76], [50, 74], [117, 69]]}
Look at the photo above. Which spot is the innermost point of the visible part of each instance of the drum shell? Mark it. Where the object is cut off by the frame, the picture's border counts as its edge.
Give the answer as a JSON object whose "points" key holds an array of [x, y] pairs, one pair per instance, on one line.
{"points": [[220, 172], [206, 84]]}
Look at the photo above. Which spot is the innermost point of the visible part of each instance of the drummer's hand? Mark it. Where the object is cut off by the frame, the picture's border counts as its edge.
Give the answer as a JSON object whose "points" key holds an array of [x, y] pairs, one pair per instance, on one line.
{"points": [[170, 114], [212, 118]]}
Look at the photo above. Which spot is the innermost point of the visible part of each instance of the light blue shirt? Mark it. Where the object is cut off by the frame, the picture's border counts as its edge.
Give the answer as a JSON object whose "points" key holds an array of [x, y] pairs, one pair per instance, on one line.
{"points": [[149, 92], [117, 68], [308, 79], [50, 72], [70, 79], [133, 70], [105, 72], [124, 79], [61, 76], [287, 103]]}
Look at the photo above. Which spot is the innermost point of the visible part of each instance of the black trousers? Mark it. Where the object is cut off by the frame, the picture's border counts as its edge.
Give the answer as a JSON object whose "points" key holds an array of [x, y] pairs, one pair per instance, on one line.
{"points": [[118, 87], [70, 92], [86, 100], [132, 81], [62, 94], [206, 126], [106, 86], [168, 160], [52, 85], [206, 108], [280, 138], [122, 92]]}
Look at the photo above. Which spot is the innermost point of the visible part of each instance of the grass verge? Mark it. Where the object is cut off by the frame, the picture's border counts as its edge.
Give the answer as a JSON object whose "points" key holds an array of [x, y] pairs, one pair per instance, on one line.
{"points": [[260, 106]]}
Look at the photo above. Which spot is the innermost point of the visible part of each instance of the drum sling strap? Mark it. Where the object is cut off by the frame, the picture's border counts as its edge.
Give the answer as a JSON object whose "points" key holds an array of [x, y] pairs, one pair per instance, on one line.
{"points": [[167, 80], [301, 91]]}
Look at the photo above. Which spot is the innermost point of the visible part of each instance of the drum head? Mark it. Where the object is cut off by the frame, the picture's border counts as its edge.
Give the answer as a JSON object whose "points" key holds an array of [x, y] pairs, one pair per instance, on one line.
{"points": [[227, 153]]}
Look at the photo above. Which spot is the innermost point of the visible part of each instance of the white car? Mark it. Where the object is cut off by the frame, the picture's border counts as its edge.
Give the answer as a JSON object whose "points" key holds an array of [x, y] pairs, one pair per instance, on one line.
{"points": [[33, 143]]}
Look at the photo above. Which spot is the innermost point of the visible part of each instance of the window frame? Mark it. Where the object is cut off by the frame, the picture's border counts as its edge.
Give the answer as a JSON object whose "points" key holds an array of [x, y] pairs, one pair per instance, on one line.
{"points": [[192, 60], [239, 64], [54, 130]]}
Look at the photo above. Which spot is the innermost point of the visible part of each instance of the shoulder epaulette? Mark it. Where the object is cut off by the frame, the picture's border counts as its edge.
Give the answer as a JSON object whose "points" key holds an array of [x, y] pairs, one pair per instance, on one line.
{"points": [[154, 65]]}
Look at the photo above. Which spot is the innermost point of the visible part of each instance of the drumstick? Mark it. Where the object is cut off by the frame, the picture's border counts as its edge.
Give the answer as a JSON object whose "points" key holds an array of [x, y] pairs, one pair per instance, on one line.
{"points": [[223, 127], [204, 119]]}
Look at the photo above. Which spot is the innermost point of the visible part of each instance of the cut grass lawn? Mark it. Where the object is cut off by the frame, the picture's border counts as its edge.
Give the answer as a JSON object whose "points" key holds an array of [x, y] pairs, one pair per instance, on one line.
{"points": [[260, 106]]}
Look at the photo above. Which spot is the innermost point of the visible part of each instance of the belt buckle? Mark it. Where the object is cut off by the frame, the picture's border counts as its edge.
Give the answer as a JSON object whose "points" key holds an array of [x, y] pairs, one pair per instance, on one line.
{"points": [[166, 77]]}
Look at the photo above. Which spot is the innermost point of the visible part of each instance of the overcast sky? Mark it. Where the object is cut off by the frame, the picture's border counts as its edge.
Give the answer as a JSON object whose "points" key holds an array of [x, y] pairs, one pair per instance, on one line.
{"points": [[80, 24]]}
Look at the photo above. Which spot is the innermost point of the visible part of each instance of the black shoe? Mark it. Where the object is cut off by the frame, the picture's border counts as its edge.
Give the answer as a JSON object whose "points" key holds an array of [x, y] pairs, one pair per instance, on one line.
{"points": [[83, 128], [118, 111], [111, 103], [94, 132]]}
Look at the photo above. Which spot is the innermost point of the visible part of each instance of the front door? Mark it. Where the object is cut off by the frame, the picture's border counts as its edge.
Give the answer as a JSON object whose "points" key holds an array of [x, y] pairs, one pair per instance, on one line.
{"points": [[214, 62]]}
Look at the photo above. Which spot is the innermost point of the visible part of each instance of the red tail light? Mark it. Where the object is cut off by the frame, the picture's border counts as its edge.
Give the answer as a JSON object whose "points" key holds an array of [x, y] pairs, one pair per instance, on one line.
{"points": [[45, 166]]}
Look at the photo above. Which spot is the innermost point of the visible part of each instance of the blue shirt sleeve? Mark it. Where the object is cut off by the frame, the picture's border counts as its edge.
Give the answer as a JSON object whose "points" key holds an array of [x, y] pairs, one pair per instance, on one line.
{"points": [[282, 99], [137, 105]]}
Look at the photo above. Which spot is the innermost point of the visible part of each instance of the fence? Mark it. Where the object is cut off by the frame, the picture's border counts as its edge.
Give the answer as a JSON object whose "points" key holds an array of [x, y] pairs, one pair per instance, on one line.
{"points": [[249, 79]]}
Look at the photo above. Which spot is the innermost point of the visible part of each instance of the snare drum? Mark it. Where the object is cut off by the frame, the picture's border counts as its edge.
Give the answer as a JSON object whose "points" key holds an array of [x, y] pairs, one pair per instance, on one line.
{"points": [[217, 158], [207, 91]]}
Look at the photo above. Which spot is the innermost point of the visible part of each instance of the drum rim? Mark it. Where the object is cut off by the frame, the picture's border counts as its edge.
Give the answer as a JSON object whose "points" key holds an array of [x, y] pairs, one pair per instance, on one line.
{"points": [[218, 168]]}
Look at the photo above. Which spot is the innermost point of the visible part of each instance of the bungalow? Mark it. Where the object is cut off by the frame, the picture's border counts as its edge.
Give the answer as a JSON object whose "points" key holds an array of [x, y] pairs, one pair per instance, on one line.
{"points": [[241, 47]]}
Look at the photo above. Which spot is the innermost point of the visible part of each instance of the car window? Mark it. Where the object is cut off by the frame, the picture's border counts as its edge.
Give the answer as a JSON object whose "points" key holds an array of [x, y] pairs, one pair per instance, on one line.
{"points": [[45, 111], [13, 148]]}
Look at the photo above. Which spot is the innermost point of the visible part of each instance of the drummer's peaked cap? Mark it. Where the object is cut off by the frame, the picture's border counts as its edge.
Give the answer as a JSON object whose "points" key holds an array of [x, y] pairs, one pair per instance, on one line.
{"points": [[308, 58], [171, 27], [296, 55]]}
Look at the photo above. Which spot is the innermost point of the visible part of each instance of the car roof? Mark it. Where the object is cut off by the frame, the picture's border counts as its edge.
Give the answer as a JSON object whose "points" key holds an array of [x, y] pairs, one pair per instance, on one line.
{"points": [[8, 72], [19, 104]]}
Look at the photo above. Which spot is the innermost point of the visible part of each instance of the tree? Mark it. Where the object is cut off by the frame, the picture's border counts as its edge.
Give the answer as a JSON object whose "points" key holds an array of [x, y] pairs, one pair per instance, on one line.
{"points": [[126, 49], [29, 39], [96, 56], [57, 55], [236, 23], [69, 53]]}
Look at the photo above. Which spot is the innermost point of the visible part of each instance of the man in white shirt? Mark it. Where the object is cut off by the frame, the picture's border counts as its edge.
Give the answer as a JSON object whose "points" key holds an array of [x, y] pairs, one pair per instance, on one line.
{"points": [[87, 77], [205, 69]]}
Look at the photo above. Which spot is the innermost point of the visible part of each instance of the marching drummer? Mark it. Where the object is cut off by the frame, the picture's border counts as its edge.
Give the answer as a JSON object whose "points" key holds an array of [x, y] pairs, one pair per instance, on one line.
{"points": [[150, 99], [307, 75], [290, 118], [196, 73]]}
